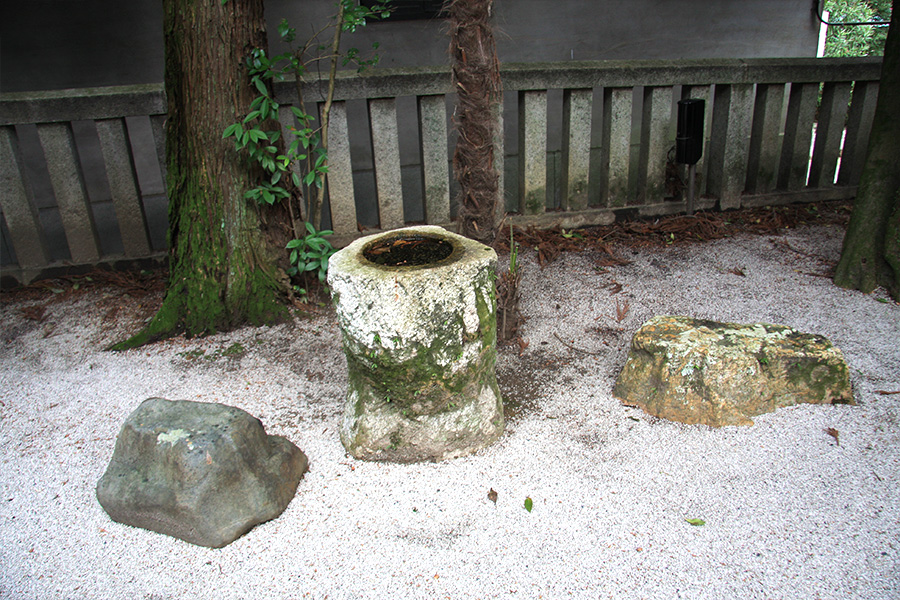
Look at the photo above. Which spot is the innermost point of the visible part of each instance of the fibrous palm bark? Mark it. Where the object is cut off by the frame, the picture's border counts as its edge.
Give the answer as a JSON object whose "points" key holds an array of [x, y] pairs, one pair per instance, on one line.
{"points": [[476, 77]]}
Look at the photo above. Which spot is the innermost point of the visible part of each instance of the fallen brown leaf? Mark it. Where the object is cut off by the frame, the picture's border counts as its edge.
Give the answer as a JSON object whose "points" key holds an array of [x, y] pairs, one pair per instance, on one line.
{"points": [[34, 313], [621, 310], [522, 345], [833, 433], [492, 495]]}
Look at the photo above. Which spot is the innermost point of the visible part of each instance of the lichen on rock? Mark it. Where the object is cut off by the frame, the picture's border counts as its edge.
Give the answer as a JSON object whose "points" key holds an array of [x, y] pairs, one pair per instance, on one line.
{"points": [[699, 371]]}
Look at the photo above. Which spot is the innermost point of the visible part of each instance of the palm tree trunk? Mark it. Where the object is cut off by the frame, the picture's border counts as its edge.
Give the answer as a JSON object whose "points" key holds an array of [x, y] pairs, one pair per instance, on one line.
{"points": [[476, 75]]}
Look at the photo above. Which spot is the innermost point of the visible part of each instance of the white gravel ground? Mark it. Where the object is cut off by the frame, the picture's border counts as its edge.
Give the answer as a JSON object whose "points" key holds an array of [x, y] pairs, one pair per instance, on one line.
{"points": [[790, 512]]}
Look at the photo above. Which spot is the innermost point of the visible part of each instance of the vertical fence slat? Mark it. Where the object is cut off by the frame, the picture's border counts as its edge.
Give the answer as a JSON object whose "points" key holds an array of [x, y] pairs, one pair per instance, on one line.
{"points": [[158, 127], [123, 185], [386, 151], [700, 92], [21, 216], [435, 168], [577, 107], [616, 145], [341, 197], [729, 143], [829, 131], [499, 163], [655, 143], [68, 187], [765, 139], [859, 126], [533, 151], [798, 126]]}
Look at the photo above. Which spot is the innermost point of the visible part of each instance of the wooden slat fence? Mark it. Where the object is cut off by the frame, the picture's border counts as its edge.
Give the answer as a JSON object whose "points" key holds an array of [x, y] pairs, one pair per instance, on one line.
{"points": [[81, 170]]}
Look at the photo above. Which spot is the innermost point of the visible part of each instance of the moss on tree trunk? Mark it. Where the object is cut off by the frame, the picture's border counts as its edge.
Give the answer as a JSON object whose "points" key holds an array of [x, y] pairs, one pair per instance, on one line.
{"points": [[871, 253], [476, 74], [222, 271]]}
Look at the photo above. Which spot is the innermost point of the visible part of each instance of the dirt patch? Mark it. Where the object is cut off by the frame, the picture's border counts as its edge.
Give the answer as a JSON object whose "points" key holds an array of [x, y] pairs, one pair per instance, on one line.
{"points": [[522, 379], [661, 232]]}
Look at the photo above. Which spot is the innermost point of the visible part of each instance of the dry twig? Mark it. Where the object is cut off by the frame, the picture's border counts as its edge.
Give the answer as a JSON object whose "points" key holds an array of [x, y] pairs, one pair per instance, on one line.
{"points": [[571, 347]]}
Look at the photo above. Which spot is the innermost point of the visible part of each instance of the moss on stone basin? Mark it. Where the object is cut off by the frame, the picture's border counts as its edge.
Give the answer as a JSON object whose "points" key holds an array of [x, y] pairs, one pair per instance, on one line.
{"points": [[420, 342]]}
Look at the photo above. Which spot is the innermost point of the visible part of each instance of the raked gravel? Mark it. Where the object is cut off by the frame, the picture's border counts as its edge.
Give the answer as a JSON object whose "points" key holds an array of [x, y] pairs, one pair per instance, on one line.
{"points": [[790, 512]]}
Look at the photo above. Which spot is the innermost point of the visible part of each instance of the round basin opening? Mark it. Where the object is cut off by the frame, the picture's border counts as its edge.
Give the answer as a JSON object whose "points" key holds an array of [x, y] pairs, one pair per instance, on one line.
{"points": [[408, 251]]}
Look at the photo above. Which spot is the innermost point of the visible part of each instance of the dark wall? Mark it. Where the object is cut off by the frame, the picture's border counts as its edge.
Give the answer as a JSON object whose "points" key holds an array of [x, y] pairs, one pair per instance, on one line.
{"points": [[54, 44], [58, 44]]}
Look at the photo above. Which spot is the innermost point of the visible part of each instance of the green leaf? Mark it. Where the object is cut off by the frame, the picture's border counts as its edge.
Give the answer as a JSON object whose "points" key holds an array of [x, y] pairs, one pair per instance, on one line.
{"points": [[296, 179], [529, 504], [310, 228], [257, 134], [235, 130], [696, 522], [261, 86]]}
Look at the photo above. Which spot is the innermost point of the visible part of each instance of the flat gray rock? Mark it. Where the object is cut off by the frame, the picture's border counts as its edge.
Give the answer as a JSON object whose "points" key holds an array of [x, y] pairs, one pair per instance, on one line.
{"points": [[205, 473], [697, 371]]}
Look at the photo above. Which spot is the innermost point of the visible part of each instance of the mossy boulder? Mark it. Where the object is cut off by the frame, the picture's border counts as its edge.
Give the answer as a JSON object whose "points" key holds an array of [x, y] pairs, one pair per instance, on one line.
{"points": [[420, 342], [697, 371]]}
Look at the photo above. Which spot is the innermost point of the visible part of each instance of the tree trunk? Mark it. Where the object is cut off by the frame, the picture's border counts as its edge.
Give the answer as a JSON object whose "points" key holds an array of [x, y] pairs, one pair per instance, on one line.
{"points": [[871, 253], [221, 270], [476, 74]]}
